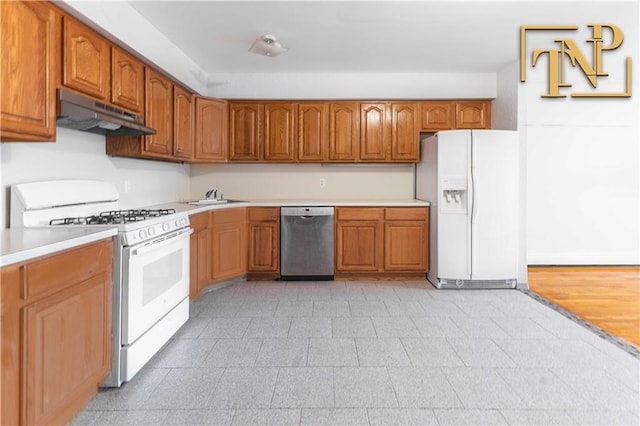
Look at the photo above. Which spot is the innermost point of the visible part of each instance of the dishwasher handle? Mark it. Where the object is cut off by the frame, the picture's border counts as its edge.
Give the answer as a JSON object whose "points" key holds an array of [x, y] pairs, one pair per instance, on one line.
{"points": [[306, 212]]}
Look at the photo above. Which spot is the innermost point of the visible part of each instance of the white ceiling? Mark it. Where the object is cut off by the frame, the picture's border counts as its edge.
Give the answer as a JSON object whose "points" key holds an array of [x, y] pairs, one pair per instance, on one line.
{"points": [[358, 36]]}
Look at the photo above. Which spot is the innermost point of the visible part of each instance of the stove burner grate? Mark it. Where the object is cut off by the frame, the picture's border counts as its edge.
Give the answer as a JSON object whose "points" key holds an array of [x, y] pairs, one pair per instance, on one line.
{"points": [[113, 217]]}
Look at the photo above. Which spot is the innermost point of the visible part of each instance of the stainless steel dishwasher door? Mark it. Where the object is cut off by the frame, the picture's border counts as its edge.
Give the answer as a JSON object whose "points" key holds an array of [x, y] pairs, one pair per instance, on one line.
{"points": [[306, 243]]}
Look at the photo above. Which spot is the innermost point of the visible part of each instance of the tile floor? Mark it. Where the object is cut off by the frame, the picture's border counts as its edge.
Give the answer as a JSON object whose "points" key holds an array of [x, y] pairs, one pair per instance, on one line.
{"points": [[376, 353]]}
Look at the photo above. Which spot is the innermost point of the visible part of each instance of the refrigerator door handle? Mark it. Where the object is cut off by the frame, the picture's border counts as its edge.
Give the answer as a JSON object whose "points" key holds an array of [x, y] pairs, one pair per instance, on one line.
{"points": [[470, 211], [474, 196]]}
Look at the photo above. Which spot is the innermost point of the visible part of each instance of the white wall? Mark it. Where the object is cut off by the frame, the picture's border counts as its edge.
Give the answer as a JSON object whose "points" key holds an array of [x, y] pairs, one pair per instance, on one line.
{"points": [[353, 86], [302, 181], [583, 181], [123, 22], [504, 115], [82, 155]]}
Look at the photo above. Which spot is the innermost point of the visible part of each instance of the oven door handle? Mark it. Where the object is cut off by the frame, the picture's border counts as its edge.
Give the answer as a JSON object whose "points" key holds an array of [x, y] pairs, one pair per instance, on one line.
{"points": [[162, 241]]}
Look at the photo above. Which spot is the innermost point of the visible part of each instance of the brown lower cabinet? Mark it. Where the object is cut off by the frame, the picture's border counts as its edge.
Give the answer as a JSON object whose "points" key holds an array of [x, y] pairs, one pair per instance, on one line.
{"points": [[389, 242], [382, 241], [56, 334], [264, 242], [218, 248], [200, 256], [228, 243]]}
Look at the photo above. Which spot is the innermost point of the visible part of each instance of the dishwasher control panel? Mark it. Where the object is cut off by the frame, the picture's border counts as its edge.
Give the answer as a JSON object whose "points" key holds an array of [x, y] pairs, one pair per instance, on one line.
{"points": [[306, 211]]}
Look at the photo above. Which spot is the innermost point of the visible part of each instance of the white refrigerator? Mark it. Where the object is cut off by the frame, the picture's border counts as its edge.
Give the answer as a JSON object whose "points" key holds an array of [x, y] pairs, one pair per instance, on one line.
{"points": [[470, 178]]}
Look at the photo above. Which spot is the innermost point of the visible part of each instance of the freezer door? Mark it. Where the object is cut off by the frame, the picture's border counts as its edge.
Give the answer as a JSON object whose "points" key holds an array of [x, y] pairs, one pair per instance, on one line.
{"points": [[494, 208], [453, 223]]}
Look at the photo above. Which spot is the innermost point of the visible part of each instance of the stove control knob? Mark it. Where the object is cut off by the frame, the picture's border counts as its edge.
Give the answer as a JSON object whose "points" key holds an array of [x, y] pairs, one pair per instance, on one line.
{"points": [[143, 234], [178, 223], [166, 227], [152, 231]]}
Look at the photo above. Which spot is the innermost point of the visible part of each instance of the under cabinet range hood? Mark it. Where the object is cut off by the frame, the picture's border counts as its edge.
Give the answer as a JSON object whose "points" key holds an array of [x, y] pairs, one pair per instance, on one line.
{"points": [[79, 112]]}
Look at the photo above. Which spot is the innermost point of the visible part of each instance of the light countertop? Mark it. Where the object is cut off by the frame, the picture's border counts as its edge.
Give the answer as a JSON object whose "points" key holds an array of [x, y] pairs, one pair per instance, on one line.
{"points": [[22, 244], [183, 206]]}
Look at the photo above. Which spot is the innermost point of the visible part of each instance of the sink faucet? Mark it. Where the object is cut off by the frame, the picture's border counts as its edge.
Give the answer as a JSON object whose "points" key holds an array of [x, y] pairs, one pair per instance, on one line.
{"points": [[213, 192]]}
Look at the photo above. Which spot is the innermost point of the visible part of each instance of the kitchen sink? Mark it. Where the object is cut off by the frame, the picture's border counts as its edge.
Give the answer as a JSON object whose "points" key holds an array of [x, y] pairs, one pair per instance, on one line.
{"points": [[208, 201]]}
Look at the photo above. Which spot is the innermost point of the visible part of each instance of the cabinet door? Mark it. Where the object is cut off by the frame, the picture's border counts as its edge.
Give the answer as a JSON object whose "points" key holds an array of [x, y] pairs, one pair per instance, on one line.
{"points": [[200, 254], [228, 244], [245, 134], [405, 132], [437, 116], [473, 115], [279, 132], [358, 246], [67, 348], [344, 131], [29, 52], [405, 246], [158, 113], [374, 132], [183, 109], [264, 246], [312, 132], [86, 60], [211, 130], [127, 81]]}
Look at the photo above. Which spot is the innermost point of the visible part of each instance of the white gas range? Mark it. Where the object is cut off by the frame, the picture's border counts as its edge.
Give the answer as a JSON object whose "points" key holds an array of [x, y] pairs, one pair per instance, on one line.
{"points": [[150, 264]]}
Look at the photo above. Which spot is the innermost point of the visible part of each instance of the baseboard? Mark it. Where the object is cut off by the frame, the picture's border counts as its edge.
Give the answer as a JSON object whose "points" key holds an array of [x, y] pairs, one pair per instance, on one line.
{"points": [[629, 259]]}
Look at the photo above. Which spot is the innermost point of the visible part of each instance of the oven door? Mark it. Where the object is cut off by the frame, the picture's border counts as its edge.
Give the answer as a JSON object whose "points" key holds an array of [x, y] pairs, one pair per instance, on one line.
{"points": [[155, 280]]}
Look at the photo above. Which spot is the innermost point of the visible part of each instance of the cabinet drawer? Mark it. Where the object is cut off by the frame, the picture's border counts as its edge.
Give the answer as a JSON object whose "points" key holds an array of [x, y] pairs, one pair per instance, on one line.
{"points": [[359, 213], [259, 214], [199, 221], [405, 213], [227, 216], [56, 272]]}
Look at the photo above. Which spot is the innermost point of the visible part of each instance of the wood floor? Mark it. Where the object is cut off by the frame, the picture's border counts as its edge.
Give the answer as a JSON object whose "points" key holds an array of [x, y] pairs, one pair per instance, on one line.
{"points": [[607, 297]]}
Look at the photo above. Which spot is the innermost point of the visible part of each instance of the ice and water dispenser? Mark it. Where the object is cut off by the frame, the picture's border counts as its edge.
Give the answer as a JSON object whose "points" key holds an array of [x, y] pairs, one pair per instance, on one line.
{"points": [[453, 196]]}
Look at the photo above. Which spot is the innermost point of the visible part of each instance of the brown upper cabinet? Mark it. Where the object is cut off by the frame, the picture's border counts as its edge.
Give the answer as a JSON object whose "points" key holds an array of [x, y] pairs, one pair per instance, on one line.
{"points": [[86, 63], [29, 57], [312, 131], [245, 131], [324, 131], [389, 132], [473, 115], [374, 132], [158, 113], [183, 107], [279, 132], [446, 115], [262, 131], [405, 132], [344, 131], [437, 115], [127, 81], [212, 126]]}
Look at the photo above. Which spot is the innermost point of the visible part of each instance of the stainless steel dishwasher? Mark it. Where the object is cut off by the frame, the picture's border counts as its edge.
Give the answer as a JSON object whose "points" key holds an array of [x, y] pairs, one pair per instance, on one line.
{"points": [[306, 243]]}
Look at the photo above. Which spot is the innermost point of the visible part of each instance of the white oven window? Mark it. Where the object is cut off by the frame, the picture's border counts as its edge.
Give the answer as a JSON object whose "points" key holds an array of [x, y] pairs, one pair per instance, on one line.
{"points": [[161, 275]]}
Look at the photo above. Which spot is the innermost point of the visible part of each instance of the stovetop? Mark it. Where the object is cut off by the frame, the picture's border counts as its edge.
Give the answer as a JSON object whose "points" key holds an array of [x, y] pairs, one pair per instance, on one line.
{"points": [[113, 217], [134, 226]]}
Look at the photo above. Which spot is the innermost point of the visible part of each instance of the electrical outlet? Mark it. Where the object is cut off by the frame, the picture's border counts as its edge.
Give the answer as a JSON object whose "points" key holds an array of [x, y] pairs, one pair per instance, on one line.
{"points": [[323, 183], [127, 186]]}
